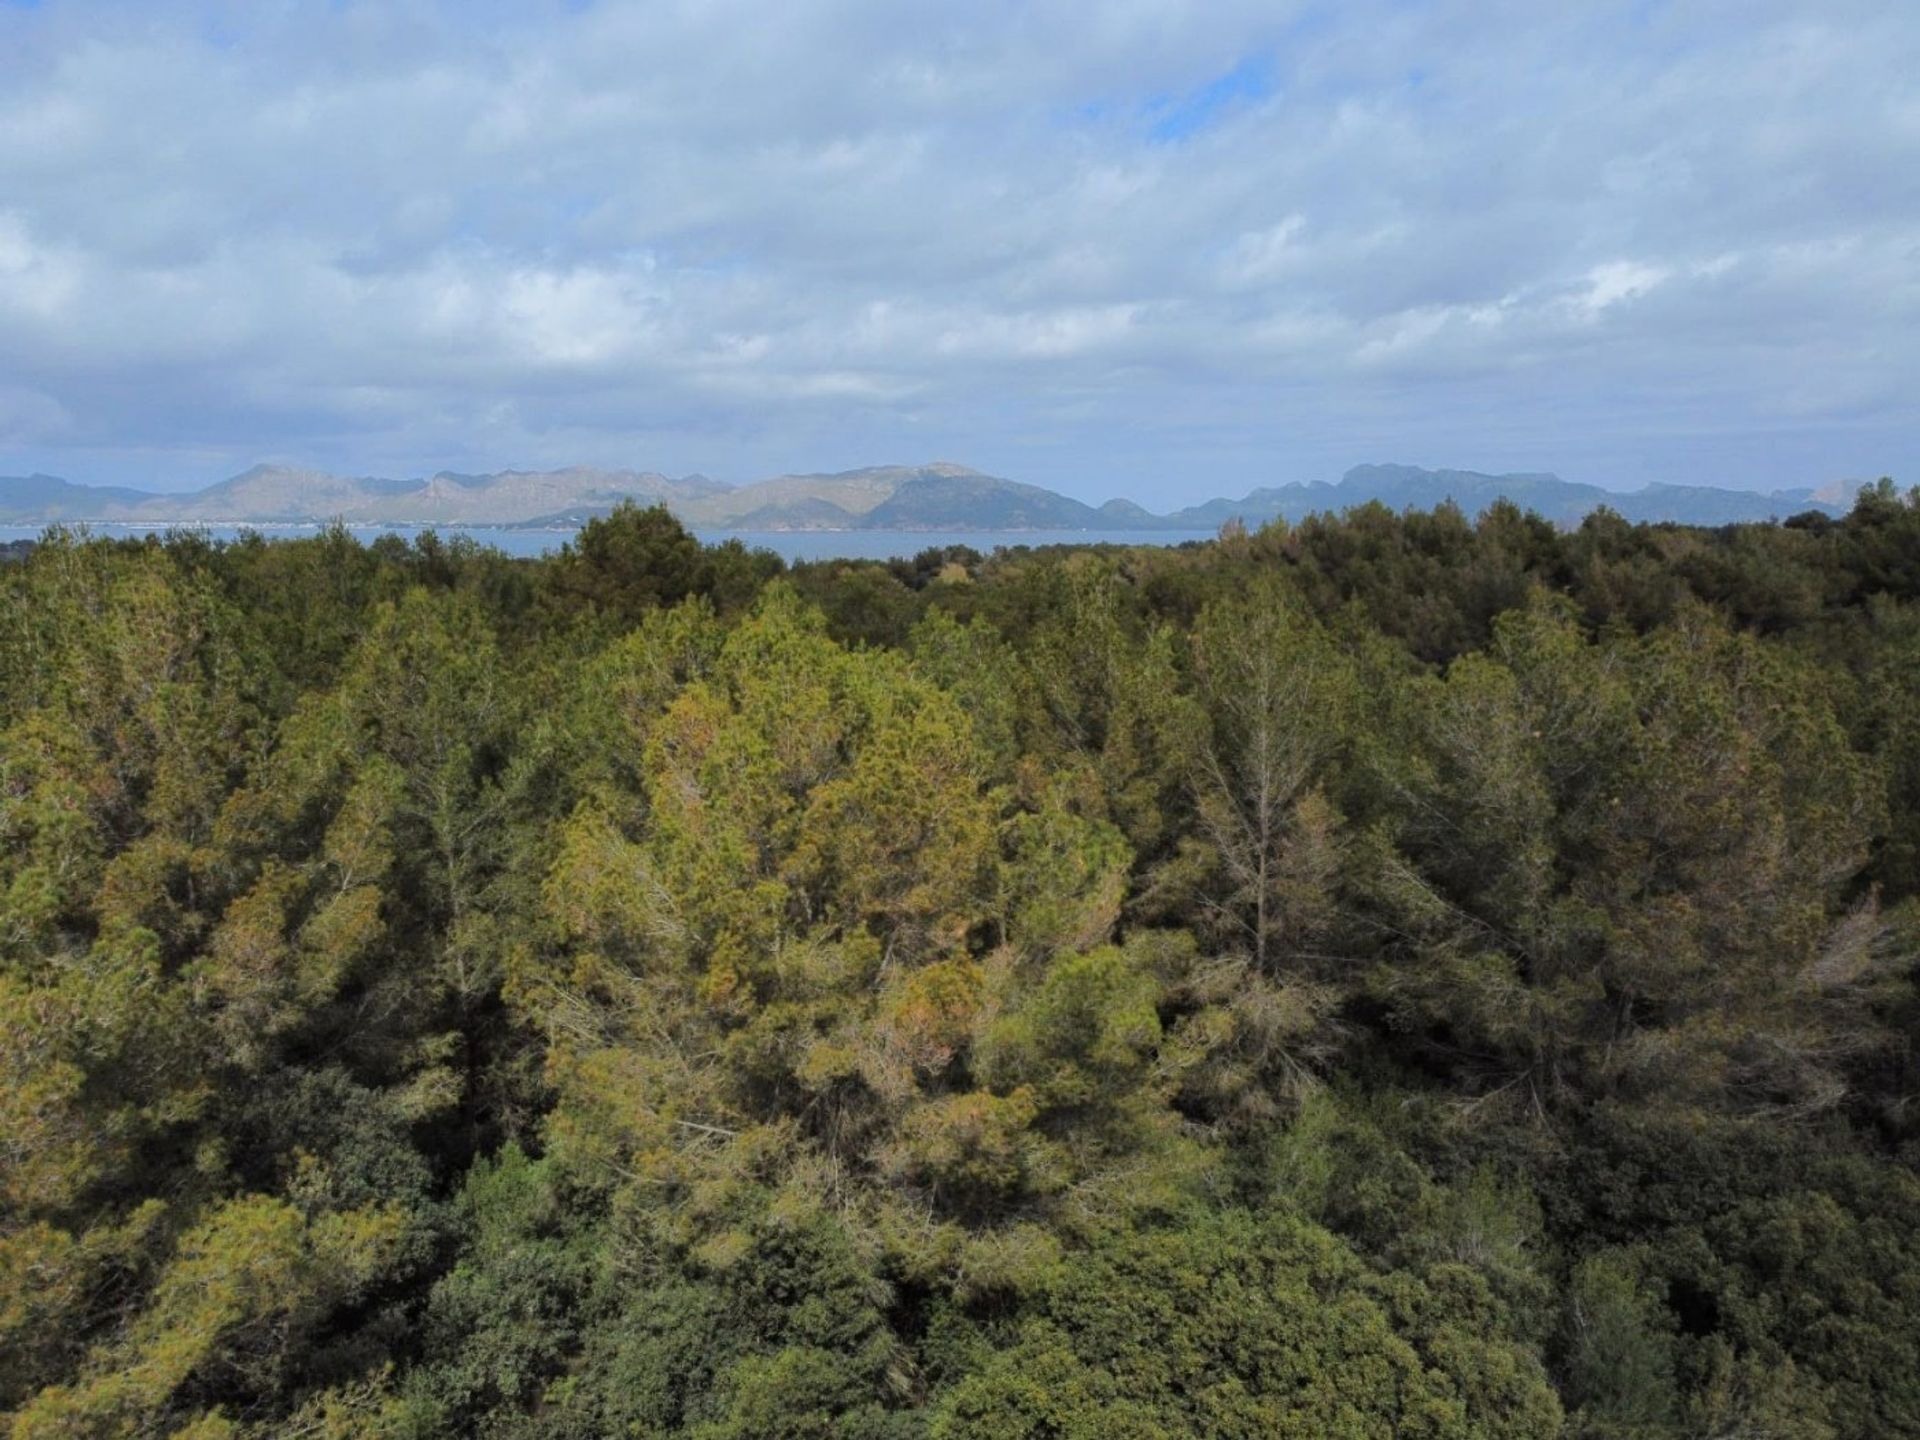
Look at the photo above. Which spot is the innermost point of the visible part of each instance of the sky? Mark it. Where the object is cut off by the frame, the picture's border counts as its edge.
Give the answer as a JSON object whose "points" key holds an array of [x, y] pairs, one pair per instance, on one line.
{"points": [[1145, 248]]}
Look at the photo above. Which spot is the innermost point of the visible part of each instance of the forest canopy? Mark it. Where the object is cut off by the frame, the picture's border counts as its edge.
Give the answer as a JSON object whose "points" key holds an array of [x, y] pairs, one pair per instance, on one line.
{"points": [[1391, 975]]}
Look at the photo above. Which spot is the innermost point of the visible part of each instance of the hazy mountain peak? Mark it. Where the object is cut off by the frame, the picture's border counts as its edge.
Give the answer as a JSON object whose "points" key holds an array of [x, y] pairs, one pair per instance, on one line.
{"points": [[271, 471]]}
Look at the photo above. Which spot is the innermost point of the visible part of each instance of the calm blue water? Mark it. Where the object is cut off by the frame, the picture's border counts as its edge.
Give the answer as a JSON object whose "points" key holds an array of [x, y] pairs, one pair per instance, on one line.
{"points": [[789, 544]]}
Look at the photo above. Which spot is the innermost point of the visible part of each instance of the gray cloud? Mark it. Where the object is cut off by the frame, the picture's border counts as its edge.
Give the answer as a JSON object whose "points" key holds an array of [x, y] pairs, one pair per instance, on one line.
{"points": [[1145, 248]]}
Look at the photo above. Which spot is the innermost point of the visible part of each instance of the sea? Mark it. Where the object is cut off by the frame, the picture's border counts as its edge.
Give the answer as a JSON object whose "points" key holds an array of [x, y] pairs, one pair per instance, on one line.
{"points": [[788, 544]]}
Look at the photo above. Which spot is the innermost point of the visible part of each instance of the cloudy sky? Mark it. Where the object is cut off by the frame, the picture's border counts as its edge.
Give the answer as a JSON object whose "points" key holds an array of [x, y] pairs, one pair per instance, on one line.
{"points": [[1138, 247]]}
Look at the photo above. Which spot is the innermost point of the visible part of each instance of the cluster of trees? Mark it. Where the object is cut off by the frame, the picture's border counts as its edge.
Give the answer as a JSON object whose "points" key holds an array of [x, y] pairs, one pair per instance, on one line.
{"points": [[1389, 976]]}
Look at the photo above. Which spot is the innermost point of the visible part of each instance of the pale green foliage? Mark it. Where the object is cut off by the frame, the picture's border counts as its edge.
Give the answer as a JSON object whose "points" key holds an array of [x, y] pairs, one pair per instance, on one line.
{"points": [[240, 1290], [770, 978], [1280, 705]]}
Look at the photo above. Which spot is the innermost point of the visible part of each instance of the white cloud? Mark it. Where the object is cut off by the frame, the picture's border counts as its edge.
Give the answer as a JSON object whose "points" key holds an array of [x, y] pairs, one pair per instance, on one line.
{"points": [[1617, 281], [1262, 256], [36, 283]]}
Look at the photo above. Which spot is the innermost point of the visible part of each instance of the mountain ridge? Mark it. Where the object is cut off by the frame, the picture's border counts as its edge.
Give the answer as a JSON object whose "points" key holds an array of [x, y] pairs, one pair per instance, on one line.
{"points": [[937, 496]]}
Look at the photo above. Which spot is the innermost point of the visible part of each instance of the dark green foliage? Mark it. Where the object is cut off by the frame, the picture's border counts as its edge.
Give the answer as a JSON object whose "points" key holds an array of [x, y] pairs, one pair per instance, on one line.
{"points": [[503, 1321], [790, 1338], [631, 561], [1233, 1326]]}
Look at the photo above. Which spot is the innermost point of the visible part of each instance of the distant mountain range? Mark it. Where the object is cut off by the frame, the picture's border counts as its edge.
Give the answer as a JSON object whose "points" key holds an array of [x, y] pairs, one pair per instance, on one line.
{"points": [[1564, 502], [937, 497]]}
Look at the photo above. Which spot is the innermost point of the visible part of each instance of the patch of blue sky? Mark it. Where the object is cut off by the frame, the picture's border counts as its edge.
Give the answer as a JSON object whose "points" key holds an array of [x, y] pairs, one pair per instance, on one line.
{"points": [[1173, 118]]}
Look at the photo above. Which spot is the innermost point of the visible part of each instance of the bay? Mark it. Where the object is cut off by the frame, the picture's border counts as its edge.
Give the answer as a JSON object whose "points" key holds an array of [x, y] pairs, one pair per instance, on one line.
{"points": [[790, 545]]}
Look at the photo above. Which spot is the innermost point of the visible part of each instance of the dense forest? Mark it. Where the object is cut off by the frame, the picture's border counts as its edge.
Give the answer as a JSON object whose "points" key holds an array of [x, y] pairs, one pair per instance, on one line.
{"points": [[1385, 976]]}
